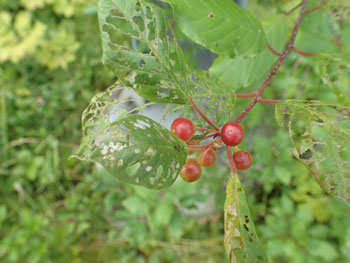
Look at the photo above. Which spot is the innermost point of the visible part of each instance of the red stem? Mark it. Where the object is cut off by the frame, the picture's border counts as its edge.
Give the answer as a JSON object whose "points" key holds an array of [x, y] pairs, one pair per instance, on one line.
{"points": [[313, 9], [198, 147], [209, 136], [203, 115], [303, 52], [230, 159], [246, 95], [293, 9], [273, 51], [264, 101], [205, 129], [276, 67]]}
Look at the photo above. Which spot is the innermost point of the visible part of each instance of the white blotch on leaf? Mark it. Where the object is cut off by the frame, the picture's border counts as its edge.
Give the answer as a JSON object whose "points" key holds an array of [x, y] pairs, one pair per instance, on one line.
{"points": [[120, 162], [137, 151]]}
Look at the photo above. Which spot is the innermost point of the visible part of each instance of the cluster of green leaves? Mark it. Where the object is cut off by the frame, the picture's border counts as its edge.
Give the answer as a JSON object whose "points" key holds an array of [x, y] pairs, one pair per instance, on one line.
{"points": [[157, 71], [55, 209]]}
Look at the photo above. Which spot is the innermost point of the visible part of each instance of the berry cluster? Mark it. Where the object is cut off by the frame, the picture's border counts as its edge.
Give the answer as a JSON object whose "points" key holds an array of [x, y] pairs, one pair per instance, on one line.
{"points": [[191, 171], [231, 134]]}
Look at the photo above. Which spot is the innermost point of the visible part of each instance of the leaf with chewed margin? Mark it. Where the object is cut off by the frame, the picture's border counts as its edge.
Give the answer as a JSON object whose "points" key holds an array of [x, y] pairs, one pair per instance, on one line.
{"points": [[130, 146], [320, 134], [241, 241]]}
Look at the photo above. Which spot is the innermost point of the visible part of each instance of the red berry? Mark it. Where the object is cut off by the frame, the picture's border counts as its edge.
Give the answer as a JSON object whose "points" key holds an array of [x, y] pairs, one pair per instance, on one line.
{"points": [[193, 142], [207, 157], [183, 128], [242, 159], [232, 133], [191, 171]]}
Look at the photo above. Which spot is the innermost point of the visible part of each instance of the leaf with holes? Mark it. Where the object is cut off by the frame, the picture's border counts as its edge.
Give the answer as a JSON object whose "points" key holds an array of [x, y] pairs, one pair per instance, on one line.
{"points": [[155, 67], [339, 9], [156, 71], [245, 71], [132, 147], [320, 134], [241, 240], [334, 68], [215, 98], [221, 26]]}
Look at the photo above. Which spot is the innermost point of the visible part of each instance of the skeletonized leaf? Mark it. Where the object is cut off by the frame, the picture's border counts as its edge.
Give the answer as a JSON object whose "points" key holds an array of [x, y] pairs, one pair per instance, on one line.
{"points": [[221, 26], [320, 134], [339, 9], [215, 98], [334, 68], [241, 240], [155, 68], [132, 147]]}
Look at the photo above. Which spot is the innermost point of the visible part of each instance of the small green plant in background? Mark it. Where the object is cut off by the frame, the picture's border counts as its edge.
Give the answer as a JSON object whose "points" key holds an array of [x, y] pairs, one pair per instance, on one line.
{"points": [[138, 150]]}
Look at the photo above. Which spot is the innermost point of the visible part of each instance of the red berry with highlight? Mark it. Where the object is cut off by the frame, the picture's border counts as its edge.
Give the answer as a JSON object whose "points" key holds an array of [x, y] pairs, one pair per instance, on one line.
{"points": [[232, 133], [242, 159], [191, 171], [183, 128], [207, 157]]}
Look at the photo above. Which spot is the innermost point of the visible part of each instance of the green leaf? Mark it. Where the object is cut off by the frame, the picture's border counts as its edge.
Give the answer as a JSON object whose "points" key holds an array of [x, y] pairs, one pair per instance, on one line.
{"points": [[156, 68], [241, 240], [320, 134], [345, 37], [315, 34], [245, 71], [135, 205], [163, 213], [132, 147], [221, 26], [278, 115], [339, 9], [334, 68]]}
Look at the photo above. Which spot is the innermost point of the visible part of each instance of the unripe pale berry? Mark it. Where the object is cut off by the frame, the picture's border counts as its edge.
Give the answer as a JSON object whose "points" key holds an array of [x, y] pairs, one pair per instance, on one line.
{"points": [[232, 134], [183, 128], [191, 171], [207, 157], [242, 159]]}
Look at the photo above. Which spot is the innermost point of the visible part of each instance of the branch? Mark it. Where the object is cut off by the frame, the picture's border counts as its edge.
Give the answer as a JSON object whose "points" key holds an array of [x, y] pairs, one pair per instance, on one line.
{"points": [[264, 101], [313, 9], [246, 95], [230, 159], [303, 52], [198, 147], [209, 136], [293, 9], [203, 115], [205, 129], [273, 51], [268, 80]]}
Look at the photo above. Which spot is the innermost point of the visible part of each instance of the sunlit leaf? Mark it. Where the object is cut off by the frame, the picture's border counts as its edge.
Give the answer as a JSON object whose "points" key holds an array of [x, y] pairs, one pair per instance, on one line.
{"points": [[320, 134], [132, 147], [221, 26], [241, 240], [244, 71]]}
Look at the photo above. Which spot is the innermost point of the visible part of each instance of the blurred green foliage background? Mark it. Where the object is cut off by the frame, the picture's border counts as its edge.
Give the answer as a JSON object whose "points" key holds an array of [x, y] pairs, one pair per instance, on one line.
{"points": [[55, 209]]}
